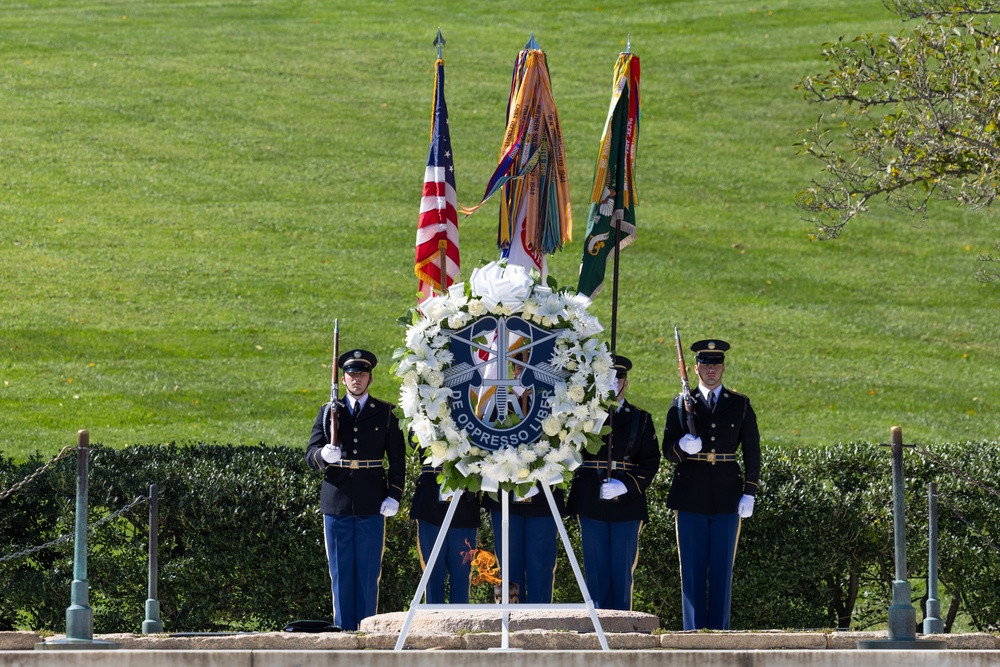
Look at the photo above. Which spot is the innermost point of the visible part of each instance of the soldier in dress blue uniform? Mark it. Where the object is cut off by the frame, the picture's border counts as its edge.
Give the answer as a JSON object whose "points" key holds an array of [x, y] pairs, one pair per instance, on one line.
{"points": [[430, 504], [612, 508], [709, 492], [362, 486]]}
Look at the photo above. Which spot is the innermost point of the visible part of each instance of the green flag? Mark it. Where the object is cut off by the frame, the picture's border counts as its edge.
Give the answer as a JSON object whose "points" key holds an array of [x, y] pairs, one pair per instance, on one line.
{"points": [[613, 198]]}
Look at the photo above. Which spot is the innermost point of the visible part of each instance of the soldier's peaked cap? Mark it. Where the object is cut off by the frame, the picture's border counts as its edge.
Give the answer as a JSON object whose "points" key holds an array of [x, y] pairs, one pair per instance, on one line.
{"points": [[622, 365], [357, 360], [710, 351]]}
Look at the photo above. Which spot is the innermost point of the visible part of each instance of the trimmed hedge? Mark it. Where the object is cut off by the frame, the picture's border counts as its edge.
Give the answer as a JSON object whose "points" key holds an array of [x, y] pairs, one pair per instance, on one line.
{"points": [[241, 543]]}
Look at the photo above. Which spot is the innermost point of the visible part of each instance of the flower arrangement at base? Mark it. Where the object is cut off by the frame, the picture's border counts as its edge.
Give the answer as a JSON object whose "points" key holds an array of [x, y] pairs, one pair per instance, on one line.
{"points": [[504, 381]]}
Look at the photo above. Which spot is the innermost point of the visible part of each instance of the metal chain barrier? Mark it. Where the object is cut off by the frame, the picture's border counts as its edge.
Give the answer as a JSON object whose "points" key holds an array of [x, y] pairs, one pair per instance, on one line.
{"points": [[972, 529], [923, 451], [66, 451], [66, 538]]}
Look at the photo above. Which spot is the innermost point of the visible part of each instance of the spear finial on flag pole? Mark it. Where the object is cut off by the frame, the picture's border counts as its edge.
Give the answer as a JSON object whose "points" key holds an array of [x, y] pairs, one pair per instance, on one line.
{"points": [[442, 227], [532, 44], [439, 42]]}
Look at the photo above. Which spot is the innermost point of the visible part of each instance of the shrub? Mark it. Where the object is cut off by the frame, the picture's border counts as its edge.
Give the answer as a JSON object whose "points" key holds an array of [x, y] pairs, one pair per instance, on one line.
{"points": [[241, 540]]}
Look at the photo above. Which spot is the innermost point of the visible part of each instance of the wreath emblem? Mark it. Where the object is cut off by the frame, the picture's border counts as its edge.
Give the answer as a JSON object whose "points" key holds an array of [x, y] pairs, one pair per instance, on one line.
{"points": [[504, 381]]}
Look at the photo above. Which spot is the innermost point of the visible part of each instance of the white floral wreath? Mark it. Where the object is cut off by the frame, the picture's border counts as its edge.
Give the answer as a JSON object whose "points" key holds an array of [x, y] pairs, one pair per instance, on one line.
{"points": [[577, 408]]}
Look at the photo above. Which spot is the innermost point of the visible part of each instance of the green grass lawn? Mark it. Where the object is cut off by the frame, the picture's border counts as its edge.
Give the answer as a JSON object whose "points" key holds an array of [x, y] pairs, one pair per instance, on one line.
{"points": [[192, 191]]}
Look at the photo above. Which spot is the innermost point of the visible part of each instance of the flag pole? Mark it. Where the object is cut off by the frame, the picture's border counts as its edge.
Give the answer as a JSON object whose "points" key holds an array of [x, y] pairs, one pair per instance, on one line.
{"points": [[614, 316], [617, 251], [443, 259], [439, 42]]}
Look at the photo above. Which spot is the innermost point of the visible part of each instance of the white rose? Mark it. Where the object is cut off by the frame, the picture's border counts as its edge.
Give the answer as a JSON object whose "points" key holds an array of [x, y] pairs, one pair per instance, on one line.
{"points": [[458, 321], [435, 378], [438, 449], [476, 308], [550, 426], [576, 393], [547, 321], [410, 379], [571, 365]]}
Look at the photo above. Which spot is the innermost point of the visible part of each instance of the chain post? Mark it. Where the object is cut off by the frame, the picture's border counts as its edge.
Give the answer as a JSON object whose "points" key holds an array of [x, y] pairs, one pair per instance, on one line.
{"points": [[79, 615], [153, 623], [902, 632], [932, 616]]}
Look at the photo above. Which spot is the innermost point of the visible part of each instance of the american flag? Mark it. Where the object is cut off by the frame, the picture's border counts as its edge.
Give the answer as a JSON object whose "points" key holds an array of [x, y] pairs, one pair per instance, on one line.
{"points": [[437, 229]]}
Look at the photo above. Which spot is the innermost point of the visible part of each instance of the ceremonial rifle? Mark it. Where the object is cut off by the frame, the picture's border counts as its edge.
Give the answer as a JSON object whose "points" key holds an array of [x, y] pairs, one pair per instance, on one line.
{"points": [[334, 388], [686, 399]]}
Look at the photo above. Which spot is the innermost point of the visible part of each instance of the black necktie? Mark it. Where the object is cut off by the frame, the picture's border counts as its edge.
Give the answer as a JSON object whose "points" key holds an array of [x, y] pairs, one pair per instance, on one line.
{"points": [[711, 401], [355, 409]]}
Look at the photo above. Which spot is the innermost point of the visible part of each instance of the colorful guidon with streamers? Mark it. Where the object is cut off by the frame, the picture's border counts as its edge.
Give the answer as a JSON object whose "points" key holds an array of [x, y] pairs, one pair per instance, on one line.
{"points": [[613, 198], [532, 165], [559, 371]]}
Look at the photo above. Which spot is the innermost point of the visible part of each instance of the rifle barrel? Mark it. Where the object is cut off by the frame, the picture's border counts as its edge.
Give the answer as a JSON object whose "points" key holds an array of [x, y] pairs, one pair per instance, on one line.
{"points": [[686, 399], [334, 388]]}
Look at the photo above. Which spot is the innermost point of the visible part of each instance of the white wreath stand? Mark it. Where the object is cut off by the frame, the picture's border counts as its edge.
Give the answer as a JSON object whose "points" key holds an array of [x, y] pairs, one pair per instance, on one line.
{"points": [[504, 607]]}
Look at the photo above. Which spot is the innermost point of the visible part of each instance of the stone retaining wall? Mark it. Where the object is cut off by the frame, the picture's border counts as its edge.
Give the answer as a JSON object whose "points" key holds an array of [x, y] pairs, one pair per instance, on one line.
{"points": [[522, 639]]}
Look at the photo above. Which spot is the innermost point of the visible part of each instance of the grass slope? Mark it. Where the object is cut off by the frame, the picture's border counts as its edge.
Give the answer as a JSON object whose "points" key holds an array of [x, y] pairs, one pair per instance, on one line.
{"points": [[191, 192]]}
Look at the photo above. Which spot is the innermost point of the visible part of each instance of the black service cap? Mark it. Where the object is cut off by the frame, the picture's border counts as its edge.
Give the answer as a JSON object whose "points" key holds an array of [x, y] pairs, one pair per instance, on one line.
{"points": [[622, 365], [357, 360], [710, 351]]}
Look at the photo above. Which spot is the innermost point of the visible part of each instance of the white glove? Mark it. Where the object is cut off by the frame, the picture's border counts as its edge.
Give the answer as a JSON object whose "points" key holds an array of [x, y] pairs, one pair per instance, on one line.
{"points": [[389, 507], [612, 489], [745, 508], [690, 443], [445, 496], [330, 454]]}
